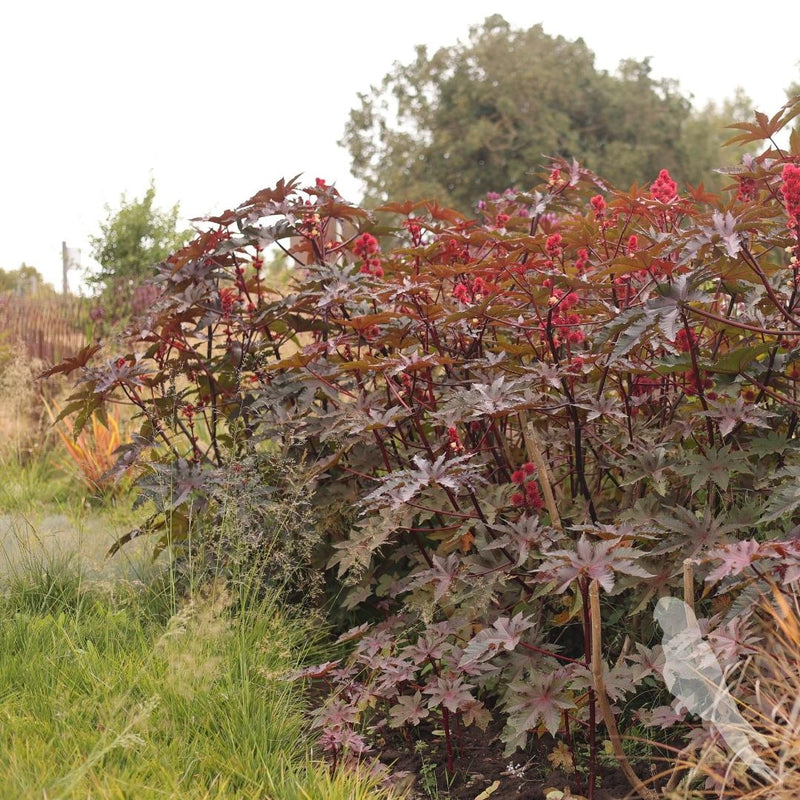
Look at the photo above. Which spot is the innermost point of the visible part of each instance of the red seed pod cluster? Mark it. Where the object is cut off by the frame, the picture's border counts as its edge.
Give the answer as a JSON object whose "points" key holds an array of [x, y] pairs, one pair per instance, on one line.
{"points": [[563, 322], [529, 494], [414, 230], [582, 261], [455, 252], [685, 339], [228, 298], [747, 190], [469, 290], [553, 245], [599, 206], [454, 440], [664, 188], [791, 192], [365, 247]]}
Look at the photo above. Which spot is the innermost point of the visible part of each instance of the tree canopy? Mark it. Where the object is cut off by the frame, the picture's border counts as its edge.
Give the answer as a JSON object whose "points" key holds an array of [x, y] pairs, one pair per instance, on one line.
{"points": [[133, 238], [484, 115]]}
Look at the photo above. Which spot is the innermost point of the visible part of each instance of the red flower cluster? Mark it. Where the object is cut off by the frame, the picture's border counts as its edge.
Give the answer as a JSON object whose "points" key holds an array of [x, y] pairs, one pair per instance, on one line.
{"points": [[228, 298], [520, 475], [310, 222], [414, 230], [633, 245], [454, 252], [372, 266], [564, 301], [461, 293], [575, 336], [555, 178], [466, 292], [564, 323], [454, 441], [664, 188], [791, 191]]}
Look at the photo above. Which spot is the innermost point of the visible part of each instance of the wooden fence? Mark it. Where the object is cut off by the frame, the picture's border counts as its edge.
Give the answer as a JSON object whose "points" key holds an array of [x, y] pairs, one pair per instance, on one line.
{"points": [[46, 327]]}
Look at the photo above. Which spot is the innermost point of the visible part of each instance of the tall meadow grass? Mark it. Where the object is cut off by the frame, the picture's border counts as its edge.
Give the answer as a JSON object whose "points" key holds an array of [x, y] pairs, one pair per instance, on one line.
{"points": [[119, 690]]}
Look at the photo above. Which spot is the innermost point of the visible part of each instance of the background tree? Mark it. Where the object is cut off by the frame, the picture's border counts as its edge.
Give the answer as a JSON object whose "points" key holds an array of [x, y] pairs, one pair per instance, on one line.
{"points": [[483, 115], [133, 239], [24, 280], [705, 132]]}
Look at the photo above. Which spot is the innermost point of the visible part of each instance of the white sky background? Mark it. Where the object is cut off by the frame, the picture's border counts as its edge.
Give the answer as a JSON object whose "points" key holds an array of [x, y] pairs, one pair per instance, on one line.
{"points": [[217, 100]]}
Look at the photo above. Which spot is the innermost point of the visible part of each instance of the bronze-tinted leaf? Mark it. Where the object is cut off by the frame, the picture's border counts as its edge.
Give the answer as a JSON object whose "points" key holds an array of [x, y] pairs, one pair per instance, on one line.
{"points": [[80, 359]]}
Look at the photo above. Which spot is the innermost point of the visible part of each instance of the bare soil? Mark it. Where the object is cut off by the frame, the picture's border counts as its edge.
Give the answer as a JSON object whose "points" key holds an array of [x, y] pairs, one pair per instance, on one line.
{"points": [[480, 763]]}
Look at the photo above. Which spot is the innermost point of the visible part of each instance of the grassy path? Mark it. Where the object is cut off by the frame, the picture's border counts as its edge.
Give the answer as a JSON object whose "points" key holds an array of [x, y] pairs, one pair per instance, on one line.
{"points": [[116, 688]]}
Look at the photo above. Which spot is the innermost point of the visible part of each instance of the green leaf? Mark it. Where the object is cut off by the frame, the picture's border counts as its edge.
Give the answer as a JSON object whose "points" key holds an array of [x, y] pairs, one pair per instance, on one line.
{"points": [[716, 465], [784, 499], [672, 364], [735, 361]]}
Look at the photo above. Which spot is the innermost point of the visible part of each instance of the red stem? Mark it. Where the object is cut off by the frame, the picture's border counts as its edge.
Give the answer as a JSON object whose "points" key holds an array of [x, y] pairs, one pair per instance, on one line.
{"points": [[447, 741], [587, 648]]}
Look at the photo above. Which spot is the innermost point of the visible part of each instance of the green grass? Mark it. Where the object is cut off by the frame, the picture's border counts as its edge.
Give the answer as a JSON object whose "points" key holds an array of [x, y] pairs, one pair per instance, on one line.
{"points": [[36, 483], [114, 683], [116, 690]]}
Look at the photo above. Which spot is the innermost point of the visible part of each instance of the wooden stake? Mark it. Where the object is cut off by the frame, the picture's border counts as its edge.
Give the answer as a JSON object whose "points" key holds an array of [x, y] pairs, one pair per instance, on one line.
{"points": [[534, 448], [688, 584], [602, 697]]}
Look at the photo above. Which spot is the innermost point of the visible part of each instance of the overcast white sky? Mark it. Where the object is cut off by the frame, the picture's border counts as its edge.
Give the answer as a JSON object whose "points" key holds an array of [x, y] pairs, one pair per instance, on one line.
{"points": [[216, 100]]}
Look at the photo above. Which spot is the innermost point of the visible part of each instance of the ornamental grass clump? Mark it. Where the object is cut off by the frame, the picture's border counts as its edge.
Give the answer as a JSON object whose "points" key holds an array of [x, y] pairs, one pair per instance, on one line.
{"points": [[583, 392], [22, 426], [766, 687]]}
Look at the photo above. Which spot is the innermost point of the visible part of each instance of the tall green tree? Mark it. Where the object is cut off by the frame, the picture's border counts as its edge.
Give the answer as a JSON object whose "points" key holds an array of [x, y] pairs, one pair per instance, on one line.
{"points": [[706, 131], [485, 114], [133, 239]]}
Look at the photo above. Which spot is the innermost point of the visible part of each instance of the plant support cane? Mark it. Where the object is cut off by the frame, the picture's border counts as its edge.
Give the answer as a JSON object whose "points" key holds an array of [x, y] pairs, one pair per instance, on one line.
{"points": [[602, 698], [534, 447]]}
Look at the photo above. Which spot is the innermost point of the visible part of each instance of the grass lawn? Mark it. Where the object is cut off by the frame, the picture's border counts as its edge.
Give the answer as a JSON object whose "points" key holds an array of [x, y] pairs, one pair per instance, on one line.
{"points": [[112, 685]]}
